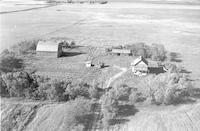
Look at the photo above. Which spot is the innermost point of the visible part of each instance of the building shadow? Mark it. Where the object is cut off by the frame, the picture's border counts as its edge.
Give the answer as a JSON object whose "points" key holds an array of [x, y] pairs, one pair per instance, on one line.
{"points": [[127, 110], [156, 70], [175, 57], [70, 54]]}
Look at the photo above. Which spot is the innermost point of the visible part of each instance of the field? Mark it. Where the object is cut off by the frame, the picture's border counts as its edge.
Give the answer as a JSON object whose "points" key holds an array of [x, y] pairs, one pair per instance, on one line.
{"points": [[93, 28], [175, 26]]}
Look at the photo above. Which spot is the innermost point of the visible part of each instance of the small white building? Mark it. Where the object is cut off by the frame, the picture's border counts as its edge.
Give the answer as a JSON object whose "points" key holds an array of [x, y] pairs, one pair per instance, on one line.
{"points": [[88, 64]]}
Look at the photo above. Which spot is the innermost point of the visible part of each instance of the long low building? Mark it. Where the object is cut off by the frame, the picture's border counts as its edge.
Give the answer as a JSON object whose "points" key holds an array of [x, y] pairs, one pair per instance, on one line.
{"points": [[121, 52]]}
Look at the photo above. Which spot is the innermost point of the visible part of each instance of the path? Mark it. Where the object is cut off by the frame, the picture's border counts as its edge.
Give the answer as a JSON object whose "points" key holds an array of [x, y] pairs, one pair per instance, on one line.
{"points": [[97, 108], [29, 9], [110, 81]]}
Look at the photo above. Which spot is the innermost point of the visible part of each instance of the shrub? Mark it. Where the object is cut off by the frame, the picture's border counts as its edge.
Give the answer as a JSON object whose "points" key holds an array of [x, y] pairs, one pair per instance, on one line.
{"points": [[9, 62], [54, 90], [25, 46], [94, 91], [3, 89], [172, 68], [134, 96], [18, 83], [122, 91], [78, 90]]}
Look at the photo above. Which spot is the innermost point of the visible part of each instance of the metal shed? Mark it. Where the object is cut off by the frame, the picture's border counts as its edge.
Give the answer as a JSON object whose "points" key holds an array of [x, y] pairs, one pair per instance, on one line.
{"points": [[50, 46]]}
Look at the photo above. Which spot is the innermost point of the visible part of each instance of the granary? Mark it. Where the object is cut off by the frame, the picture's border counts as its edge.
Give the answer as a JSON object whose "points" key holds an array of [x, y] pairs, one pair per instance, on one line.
{"points": [[50, 46], [88, 63], [121, 51], [140, 66]]}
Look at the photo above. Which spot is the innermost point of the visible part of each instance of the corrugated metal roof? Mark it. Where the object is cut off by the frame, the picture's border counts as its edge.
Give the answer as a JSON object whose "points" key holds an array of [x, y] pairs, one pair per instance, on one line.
{"points": [[49, 46]]}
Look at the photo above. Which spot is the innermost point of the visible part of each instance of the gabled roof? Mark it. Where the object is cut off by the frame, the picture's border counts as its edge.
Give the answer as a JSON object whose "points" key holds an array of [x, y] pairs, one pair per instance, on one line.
{"points": [[140, 59]]}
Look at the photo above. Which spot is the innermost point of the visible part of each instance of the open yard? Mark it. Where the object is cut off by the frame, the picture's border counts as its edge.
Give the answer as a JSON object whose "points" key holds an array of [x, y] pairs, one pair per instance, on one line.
{"points": [[72, 66]]}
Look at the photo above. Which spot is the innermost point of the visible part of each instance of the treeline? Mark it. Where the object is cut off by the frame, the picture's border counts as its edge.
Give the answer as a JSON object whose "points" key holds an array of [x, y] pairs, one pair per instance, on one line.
{"points": [[78, 1], [23, 84], [155, 52]]}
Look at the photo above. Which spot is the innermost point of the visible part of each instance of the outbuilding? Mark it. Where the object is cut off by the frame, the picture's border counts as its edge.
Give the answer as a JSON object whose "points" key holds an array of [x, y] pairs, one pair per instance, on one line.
{"points": [[88, 63], [50, 46], [140, 66], [121, 51]]}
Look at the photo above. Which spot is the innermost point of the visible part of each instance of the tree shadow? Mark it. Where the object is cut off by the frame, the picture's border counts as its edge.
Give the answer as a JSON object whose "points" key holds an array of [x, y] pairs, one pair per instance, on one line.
{"points": [[124, 111], [117, 121], [183, 100], [195, 93], [127, 110], [175, 57], [187, 96]]}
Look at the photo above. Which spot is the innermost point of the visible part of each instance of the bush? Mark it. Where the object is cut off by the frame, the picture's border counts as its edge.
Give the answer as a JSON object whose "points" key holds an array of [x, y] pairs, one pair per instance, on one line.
{"points": [[25, 46], [94, 91], [19, 84], [78, 90], [3, 89], [122, 91], [133, 97], [54, 90], [9, 62], [172, 68]]}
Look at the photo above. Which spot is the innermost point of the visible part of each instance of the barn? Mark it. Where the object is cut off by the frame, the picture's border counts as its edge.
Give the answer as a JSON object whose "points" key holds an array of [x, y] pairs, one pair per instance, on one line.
{"points": [[50, 46], [140, 66]]}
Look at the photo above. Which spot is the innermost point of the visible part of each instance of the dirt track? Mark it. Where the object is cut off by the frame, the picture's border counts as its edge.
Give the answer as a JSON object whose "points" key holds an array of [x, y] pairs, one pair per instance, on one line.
{"points": [[112, 79]]}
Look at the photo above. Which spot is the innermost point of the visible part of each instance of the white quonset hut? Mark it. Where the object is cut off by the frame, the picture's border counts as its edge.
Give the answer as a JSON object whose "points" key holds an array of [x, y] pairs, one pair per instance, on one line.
{"points": [[50, 46]]}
